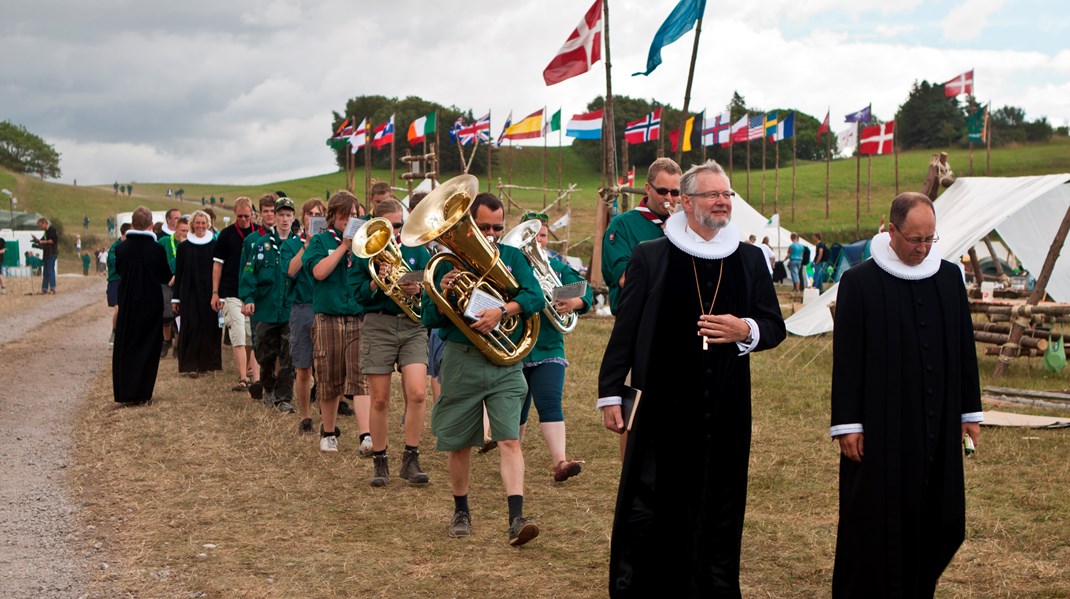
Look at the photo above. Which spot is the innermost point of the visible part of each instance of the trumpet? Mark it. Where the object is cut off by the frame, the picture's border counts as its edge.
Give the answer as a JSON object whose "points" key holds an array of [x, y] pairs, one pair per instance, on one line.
{"points": [[375, 241], [443, 216], [524, 237]]}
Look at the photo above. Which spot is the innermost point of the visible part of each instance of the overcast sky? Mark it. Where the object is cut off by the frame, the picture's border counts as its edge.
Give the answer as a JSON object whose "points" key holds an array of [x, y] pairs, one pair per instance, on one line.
{"points": [[242, 91]]}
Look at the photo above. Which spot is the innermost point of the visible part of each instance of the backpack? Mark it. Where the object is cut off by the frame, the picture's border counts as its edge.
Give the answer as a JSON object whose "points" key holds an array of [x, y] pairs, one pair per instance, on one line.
{"points": [[806, 256]]}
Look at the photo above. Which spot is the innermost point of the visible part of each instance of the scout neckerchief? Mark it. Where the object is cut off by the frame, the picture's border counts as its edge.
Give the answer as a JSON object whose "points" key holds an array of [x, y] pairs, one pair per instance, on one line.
{"points": [[240, 234], [648, 214], [338, 238]]}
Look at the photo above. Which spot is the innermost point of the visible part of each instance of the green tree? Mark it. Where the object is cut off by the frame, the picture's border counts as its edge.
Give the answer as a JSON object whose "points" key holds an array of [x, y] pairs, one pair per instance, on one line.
{"points": [[24, 152], [928, 119]]}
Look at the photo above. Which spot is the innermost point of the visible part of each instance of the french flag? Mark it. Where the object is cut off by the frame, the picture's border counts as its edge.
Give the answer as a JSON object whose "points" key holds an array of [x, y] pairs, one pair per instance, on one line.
{"points": [[585, 126]]}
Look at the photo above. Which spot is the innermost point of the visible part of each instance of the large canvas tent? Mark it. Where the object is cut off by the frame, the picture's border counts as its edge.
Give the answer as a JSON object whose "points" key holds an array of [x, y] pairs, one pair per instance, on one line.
{"points": [[751, 222], [1025, 211]]}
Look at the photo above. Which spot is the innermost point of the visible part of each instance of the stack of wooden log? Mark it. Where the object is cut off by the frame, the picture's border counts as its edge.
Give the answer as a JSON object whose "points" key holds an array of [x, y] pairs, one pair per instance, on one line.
{"points": [[1033, 341]]}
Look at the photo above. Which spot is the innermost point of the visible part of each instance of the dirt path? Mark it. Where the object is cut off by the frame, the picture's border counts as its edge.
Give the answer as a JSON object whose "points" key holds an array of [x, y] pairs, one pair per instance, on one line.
{"points": [[49, 354]]}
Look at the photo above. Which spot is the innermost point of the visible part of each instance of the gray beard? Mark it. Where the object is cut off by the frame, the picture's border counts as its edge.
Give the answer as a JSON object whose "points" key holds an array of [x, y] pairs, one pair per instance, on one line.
{"points": [[708, 220]]}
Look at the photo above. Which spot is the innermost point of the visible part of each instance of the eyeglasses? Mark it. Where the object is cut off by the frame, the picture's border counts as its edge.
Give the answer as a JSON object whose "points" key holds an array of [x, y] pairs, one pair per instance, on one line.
{"points": [[915, 241], [398, 225], [243, 216], [664, 191], [535, 216], [487, 228], [728, 195]]}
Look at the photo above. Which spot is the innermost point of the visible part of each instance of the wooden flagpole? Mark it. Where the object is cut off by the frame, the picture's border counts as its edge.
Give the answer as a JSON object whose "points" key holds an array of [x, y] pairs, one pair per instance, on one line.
{"points": [[828, 168], [748, 161], [730, 160], [763, 168], [794, 159], [858, 180], [701, 138], [776, 177], [560, 149], [869, 181], [545, 153], [625, 164], [393, 156], [436, 150], [490, 146], [687, 91], [988, 141], [601, 216], [971, 156], [895, 149], [367, 172]]}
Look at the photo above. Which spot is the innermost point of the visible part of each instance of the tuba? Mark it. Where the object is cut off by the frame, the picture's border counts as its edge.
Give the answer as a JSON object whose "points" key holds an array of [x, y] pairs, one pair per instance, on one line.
{"points": [[375, 241], [524, 237], [443, 216]]}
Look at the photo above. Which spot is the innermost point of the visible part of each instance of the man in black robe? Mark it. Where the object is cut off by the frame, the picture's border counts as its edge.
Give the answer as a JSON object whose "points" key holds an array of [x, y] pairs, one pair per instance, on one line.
{"points": [[142, 267], [693, 307], [905, 391]]}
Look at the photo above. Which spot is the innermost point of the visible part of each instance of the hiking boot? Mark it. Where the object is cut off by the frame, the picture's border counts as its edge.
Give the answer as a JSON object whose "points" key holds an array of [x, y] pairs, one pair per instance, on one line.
{"points": [[305, 427], [410, 468], [344, 409], [269, 398], [522, 530], [365, 450], [287, 408], [164, 348], [565, 470], [329, 443], [460, 525], [382, 471], [256, 390]]}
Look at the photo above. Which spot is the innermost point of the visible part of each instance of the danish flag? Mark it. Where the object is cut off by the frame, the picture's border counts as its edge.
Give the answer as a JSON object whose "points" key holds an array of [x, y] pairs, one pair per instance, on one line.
{"points": [[582, 49], [878, 139], [963, 84]]}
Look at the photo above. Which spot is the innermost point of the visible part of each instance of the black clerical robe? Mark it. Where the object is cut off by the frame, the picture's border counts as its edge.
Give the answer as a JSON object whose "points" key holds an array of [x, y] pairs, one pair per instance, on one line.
{"points": [[142, 265], [682, 494], [905, 368], [199, 336]]}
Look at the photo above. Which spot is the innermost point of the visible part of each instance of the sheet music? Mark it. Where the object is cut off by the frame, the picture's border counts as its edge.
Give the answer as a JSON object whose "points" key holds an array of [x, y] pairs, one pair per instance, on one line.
{"points": [[316, 225], [416, 276], [352, 227], [480, 301], [570, 291]]}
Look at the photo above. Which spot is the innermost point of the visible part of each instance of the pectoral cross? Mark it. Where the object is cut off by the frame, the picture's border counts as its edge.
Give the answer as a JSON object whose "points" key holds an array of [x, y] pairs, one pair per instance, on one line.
{"points": [[705, 342]]}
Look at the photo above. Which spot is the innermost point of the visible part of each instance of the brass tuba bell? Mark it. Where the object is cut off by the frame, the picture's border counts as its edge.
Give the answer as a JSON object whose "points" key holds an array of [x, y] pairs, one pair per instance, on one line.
{"points": [[374, 240], [525, 237], [443, 217]]}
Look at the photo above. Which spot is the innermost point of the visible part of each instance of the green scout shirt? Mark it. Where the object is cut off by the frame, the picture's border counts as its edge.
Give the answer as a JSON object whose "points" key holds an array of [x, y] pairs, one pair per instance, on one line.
{"points": [[85, 261], [334, 295], [300, 285], [529, 297], [551, 343], [246, 285], [265, 272], [113, 275], [375, 300], [170, 248], [625, 232]]}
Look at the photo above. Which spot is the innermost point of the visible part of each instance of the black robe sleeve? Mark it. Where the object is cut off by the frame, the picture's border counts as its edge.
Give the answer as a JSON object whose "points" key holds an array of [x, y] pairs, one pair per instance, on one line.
{"points": [[619, 356], [764, 305], [848, 362]]}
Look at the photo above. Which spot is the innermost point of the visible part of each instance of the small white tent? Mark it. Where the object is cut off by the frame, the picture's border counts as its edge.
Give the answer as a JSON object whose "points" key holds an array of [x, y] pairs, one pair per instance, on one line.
{"points": [[1025, 211], [751, 222]]}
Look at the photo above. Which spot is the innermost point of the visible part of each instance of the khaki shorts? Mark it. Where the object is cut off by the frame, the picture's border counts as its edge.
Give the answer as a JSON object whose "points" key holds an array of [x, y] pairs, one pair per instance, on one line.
{"points": [[336, 356], [238, 325], [388, 342], [470, 382]]}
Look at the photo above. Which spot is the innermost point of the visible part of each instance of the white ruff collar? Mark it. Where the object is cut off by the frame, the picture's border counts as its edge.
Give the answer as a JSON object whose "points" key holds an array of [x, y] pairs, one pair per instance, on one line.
{"points": [[881, 250], [199, 240], [724, 244], [165, 229], [145, 233]]}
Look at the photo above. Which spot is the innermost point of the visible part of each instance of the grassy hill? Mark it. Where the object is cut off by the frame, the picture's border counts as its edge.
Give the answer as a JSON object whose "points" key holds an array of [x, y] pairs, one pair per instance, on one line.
{"points": [[524, 167]]}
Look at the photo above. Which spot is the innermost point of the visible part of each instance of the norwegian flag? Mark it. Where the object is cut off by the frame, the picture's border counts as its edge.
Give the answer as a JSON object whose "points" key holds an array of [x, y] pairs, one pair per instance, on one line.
{"points": [[384, 134], [879, 139], [582, 49], [963, 84], [479, 129], [647, 128]]}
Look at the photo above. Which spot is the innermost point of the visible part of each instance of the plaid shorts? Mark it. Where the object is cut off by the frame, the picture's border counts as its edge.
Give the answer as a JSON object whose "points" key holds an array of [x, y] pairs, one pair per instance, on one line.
{"points": [[336, 356]]}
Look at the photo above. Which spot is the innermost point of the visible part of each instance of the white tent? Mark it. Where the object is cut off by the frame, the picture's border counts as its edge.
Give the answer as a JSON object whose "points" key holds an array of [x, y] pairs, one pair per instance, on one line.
{"points": [[1025, 211], [751, 222]]}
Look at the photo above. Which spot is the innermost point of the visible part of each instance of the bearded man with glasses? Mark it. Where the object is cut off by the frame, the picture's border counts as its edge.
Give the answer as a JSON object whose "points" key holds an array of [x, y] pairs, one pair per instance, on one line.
{"points": [[644, 223]]}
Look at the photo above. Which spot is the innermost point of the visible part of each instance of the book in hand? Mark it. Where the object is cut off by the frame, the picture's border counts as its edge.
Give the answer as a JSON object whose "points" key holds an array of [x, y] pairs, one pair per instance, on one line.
{"points": [[479, 302], [628, 405], [570, 291]]}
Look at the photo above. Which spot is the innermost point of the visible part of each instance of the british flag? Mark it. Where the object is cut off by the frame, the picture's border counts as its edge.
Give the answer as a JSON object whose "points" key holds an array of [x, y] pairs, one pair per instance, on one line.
{"points": [[479, 129]]}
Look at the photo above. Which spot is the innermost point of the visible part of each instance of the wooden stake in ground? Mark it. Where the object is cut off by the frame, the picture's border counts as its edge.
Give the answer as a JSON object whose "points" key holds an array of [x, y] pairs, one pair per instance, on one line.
{"points": [[869, 182], [763, 169], [794, 159], [601, 211], [1035, 297], [393, 155]]}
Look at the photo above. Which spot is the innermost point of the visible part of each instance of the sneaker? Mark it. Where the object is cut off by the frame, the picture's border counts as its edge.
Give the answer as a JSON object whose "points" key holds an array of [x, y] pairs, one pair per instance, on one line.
{"points": [[329, 443], [522, 530], [256, 390], [410, 468], [305, 428], [460, 525], [565, 470], [382, 471], [344, 409], [365, 449], [287, 408], [337, 430]]}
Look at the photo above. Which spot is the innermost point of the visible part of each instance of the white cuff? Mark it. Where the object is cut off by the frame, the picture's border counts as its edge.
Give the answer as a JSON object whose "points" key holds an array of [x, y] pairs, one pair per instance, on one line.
{"points": [[219, 260], [613, 400], [174, 301], [973, 417], [845, 429], [745, 349]]}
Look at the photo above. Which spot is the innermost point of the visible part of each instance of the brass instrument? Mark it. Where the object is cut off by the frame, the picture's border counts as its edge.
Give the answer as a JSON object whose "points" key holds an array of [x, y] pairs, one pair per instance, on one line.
{"points": [[524, 237], [443, 216], [374, 240]]}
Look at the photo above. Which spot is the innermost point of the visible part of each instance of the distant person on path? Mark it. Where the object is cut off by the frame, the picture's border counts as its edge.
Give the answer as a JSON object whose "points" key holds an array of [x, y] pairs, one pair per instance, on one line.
{"points": [[142, 268], [85, 224], [78, 243], [122, 189], [49, 245], [905, 394], [644, 223], [821, 260], [212, 200], [129, 189], [86, 260], [3, 253], [116, 187], [795, 256], [198, 347]]}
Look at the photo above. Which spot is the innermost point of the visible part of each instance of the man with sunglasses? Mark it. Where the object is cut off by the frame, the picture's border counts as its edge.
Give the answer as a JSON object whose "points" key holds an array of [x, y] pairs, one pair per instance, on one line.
{"points": [[905, 393], [644, 223], [226, 271]]}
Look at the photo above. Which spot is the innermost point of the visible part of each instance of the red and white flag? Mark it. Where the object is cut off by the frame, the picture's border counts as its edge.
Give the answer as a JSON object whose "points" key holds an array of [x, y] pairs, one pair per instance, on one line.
{"points": [[647, 128], [824, 128], [359, 137], [582, 49], [878, 139], [963, 84], [739, 130]]}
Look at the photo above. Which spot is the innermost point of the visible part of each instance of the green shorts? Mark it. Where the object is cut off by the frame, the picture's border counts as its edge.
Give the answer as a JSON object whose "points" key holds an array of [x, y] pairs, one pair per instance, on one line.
{"points": [[389, 342], [469, 382]]}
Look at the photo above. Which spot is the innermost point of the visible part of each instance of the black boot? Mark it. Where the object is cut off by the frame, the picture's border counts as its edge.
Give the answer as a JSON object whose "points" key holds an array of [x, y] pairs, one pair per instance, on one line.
{"points": [[410, 468], [382, 471]]}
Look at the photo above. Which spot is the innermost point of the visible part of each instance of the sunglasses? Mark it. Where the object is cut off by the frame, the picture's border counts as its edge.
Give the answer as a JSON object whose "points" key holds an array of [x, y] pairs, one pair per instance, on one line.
{"points": [[664, 191], [495, 228], [535, 216], [398, 225]]}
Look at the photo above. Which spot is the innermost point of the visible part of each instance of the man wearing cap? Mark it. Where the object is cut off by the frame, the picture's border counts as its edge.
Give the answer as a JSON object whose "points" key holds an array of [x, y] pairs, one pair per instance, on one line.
{"points": [[268, 304]]}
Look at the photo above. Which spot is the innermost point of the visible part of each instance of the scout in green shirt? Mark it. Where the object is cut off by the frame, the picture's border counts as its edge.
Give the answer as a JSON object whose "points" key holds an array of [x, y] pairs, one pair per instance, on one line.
{"points": [[267, 220], [644, 223], [470, 382]]}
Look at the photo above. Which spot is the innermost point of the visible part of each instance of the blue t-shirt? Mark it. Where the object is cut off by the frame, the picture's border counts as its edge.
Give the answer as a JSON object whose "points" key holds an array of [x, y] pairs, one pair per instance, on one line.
{"points": [[795, 251]]}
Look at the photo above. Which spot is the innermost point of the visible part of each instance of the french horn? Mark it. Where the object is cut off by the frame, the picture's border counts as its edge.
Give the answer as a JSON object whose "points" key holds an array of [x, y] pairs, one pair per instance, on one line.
{"points": [[374, 240], [524, 237], [443, 216]]}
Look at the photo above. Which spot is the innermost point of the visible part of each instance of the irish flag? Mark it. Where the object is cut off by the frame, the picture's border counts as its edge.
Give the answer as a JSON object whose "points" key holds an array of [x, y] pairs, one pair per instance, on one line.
{"points": [[420, 128]]}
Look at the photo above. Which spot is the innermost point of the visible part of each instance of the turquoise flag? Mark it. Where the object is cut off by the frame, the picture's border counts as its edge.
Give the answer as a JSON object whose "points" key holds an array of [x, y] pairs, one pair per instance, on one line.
{"points": [[680, 21]]}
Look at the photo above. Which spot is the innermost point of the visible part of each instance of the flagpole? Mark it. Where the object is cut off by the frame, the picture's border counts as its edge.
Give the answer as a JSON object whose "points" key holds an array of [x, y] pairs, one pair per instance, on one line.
{"points": [[971, 155], [702, 140], [794, 159], [687, 92], [763, 167], [828, 164], [438, 146], [560, 150], [731, 162], [609, 142], [367, 171], [625, 164], [776, 178], [858, 180], [490, 146], [869, 181], [748, 161], [895, 149], [988, 140], [545, 153], [393, 154]]}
